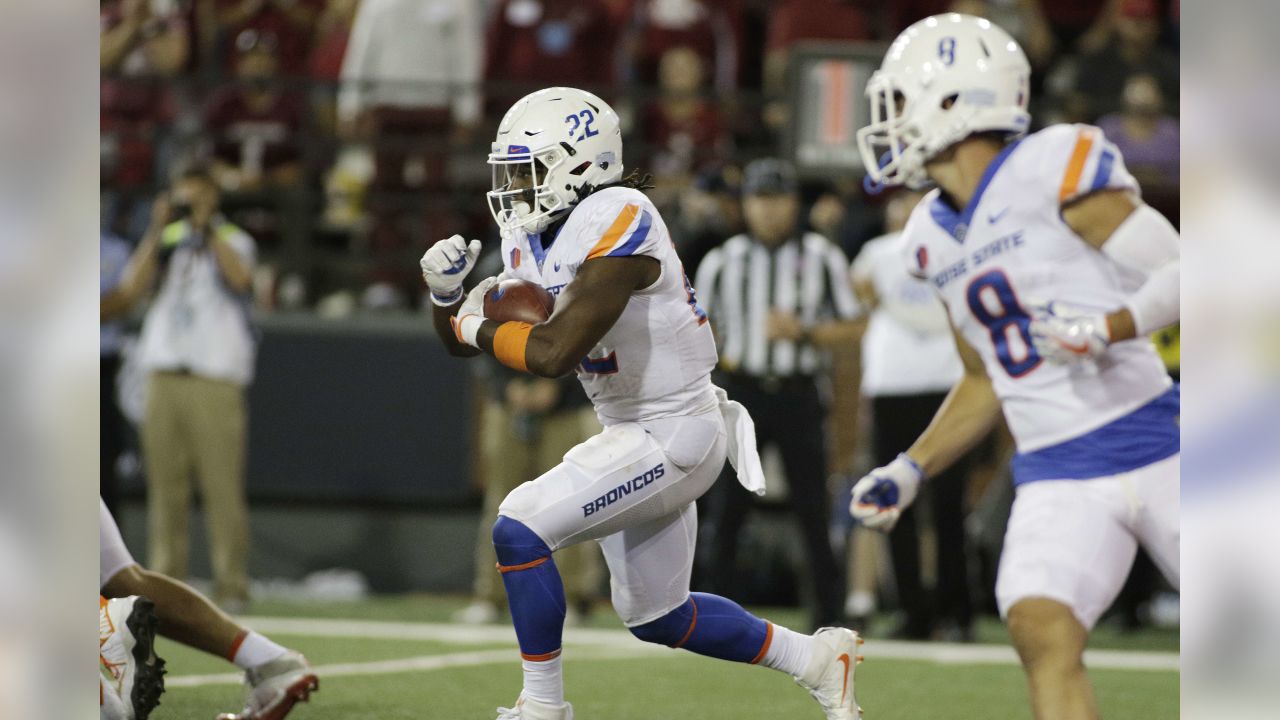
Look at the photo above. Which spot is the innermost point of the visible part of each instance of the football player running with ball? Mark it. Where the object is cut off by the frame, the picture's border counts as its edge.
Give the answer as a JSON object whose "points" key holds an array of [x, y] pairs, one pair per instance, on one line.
{"points": [[627, 321], [1054, 273]]}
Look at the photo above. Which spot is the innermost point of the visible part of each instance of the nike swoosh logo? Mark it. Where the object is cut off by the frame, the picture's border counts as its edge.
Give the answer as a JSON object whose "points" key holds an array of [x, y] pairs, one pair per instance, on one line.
{"points": [[844, 687], [995, 217]]}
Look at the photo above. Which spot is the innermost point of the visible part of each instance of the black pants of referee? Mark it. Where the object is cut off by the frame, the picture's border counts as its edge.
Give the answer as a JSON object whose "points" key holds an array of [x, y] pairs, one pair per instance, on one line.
{"points": [[898, 421], [789, 414]]}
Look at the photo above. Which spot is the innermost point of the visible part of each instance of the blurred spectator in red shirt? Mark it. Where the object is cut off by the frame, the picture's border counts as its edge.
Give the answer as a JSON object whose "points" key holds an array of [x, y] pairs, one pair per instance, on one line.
{"points": [[255, 123], [1132, 49], [712, 29], [682, 129], [796, 21], [141, 42], [411, 83], [1144, 133], [291, 21], [333, 31], [530, 44]]}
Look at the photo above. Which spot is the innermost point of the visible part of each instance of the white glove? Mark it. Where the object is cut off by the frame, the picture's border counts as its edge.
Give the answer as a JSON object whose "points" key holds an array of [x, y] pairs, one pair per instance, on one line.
{"points": [[1066, 335], [881, 496], [466, 324], [446, 265]]}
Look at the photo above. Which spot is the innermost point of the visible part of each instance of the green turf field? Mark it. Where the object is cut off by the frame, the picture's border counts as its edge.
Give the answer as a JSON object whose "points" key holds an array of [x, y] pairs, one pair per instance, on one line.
{"points": [[398, 658]]}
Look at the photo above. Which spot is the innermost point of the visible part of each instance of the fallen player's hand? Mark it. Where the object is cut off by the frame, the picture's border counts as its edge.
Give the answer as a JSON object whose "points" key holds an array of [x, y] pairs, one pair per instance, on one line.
{"points": [[881, 496], [445, 265], [466, 324], [1066, 335]]}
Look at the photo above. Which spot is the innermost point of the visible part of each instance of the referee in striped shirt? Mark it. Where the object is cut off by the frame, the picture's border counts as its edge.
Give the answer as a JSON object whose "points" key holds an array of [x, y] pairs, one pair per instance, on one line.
{"points": [[777, 299]]}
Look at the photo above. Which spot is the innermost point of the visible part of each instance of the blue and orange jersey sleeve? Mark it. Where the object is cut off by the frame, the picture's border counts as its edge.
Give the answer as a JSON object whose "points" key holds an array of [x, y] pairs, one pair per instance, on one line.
{"points": [[625, 230], [1082, 161]]}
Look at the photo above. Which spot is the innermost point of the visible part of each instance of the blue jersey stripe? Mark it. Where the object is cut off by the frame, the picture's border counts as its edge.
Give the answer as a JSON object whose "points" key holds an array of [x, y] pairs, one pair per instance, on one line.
{"points": [[1147, 435], [1103, 175], [637, 237]]}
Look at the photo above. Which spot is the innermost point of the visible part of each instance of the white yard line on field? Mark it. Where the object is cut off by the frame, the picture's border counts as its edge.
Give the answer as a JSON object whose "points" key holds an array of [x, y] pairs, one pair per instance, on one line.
{"points": [[599, 644], [413, 664]]}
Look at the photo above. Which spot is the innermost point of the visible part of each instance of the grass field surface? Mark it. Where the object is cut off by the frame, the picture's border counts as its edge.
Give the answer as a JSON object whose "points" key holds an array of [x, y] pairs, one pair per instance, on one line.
{"points": [[395, 658]]}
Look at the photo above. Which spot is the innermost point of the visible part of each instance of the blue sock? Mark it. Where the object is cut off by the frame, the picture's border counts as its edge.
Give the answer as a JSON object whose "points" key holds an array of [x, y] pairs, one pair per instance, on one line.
{"points": [[711, 625], [535, 593]]}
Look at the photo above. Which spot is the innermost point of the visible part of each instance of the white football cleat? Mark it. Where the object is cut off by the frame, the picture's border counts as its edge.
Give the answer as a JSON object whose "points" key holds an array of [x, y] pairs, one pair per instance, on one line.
{"points": [[527, 709], [127, 656], [829, 677], [109, 700], [272, 689]]}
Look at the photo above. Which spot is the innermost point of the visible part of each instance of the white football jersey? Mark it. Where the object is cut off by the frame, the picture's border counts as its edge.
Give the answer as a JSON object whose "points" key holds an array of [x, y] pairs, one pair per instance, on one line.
{"points": [[657, 358], [1010, 249]]}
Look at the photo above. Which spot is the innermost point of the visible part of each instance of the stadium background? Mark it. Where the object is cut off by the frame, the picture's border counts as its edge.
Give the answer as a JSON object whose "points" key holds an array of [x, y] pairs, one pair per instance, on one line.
{"points": [[362, 450]]}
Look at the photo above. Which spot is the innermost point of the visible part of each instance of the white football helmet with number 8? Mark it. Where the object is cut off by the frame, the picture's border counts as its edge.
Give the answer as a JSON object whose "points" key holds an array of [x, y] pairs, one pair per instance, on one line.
{"points": [[943, 79], [552, 147]]}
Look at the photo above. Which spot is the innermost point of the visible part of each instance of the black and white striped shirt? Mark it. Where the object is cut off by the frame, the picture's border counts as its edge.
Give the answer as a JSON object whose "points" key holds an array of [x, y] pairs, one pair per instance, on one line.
{"points": [[741, 281]]}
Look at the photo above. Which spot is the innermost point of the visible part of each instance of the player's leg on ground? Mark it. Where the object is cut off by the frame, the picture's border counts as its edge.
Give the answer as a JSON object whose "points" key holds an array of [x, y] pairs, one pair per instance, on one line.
{"points": [[1050, 642], [185, 615], [1066, 554], [804, 455], [165, 437], [220, 422], [650, 565], [535, 595]]}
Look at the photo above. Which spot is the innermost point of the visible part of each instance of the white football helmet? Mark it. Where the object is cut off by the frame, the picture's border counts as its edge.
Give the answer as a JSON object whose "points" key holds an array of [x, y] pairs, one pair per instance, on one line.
{"points": [[944, 78], [565, 141]]}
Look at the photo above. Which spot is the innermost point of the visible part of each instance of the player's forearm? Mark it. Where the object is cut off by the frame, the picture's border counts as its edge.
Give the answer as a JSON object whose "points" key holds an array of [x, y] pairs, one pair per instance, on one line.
{"points": [[444, 329], [966, 416], [539, 350]]}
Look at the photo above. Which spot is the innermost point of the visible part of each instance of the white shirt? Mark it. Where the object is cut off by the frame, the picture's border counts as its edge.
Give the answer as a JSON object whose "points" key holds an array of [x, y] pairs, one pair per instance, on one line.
{"points": [[414, 54], [1010, 249], [657, 358], [196, 323], [908, 348]]}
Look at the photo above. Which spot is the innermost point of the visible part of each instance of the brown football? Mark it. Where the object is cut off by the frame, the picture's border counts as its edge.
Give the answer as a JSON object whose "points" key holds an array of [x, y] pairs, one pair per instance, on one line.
{"points": [[519, 301]]}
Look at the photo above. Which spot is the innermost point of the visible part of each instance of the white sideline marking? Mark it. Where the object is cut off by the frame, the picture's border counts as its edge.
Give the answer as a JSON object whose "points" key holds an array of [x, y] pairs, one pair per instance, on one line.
{"points": [[597, 644]]}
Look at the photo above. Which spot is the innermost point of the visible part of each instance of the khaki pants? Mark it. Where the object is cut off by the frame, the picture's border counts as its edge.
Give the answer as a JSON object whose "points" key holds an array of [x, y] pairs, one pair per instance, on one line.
{"points": [[197, 426], [508, 461]]}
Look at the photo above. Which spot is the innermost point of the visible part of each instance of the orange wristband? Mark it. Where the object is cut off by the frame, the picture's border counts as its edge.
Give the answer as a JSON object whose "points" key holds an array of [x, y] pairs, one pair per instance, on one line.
{"points": [[509, 344]]}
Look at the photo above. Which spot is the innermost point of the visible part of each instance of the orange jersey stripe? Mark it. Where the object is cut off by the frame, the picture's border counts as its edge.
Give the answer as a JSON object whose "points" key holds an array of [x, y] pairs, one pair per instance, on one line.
{"points": [[543, 657], [509, 344], [692, 624], [524, 566], [768, 640], [614, 233], [1075, 168]]}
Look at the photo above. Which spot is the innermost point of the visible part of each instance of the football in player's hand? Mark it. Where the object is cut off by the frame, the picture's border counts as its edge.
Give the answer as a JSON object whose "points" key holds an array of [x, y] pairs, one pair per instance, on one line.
{"points": [[519, 301]]}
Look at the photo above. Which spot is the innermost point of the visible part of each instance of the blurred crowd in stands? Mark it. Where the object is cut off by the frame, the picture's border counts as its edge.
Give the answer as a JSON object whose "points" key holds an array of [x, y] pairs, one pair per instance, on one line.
{"points": [[347, 135]]}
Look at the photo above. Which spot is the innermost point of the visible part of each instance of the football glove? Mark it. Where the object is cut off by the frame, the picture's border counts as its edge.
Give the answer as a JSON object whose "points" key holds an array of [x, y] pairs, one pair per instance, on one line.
{"points": [[880, 497], [445, 265], [1065, 335], [466, 324]]}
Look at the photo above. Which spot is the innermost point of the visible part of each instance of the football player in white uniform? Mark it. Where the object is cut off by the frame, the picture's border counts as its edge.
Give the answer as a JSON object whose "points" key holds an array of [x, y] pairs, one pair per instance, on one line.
{"points": [[627, 321], [1054, 273]]}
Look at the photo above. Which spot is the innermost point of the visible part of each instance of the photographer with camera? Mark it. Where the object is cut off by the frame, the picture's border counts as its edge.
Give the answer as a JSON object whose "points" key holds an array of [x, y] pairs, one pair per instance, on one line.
{"points": [[197, 349]]}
